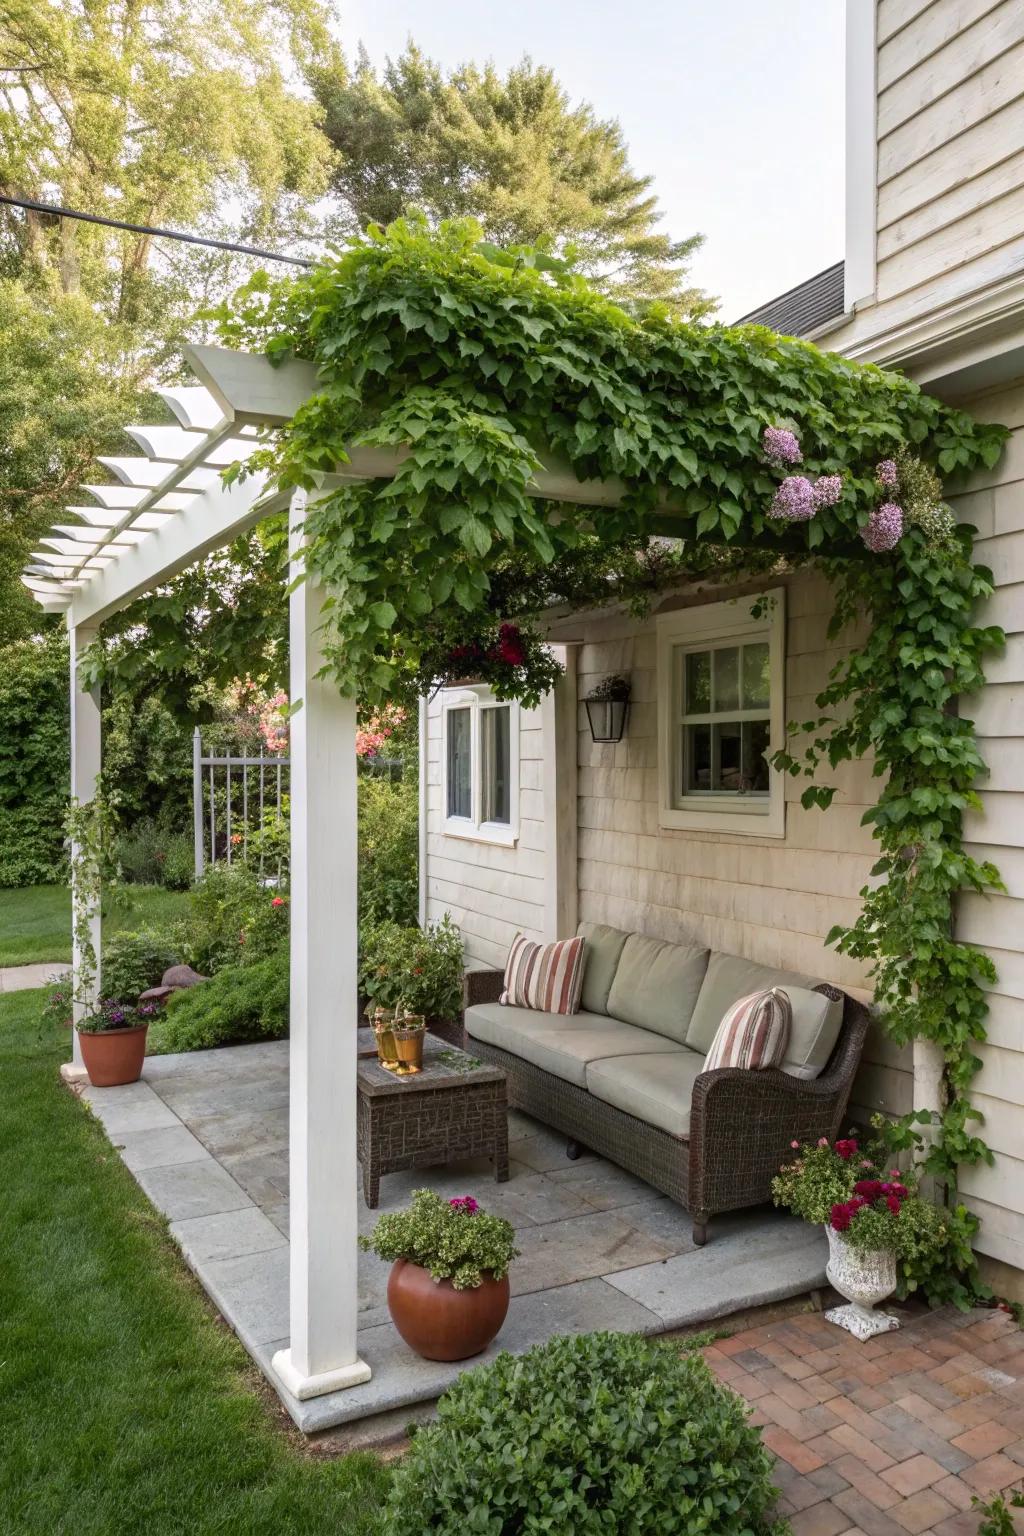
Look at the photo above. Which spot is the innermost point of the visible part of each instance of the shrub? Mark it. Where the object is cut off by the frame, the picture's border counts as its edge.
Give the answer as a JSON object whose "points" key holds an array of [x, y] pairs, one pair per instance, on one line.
{"points": [[149, 854], [388, 850], [454, 1239], [420, 967], [179, 865], [34, 759], [135, 853], [241, 1002], [592, 1434], [133, 962], [232, 919]]}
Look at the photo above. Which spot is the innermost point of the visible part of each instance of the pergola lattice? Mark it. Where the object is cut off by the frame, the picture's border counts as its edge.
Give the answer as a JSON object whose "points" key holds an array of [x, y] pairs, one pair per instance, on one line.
{"points": [[163, 512]]}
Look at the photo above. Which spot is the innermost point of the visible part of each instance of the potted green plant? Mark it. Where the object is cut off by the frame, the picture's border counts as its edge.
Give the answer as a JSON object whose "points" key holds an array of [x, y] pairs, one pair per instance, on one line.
{"points": [[113, 1041], [418, 969], [448, 1288], [870, 1217]]}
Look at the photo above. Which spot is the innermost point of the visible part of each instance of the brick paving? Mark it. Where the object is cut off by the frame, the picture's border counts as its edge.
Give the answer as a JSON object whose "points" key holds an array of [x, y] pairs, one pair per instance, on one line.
{"points": [[891, 1437]]}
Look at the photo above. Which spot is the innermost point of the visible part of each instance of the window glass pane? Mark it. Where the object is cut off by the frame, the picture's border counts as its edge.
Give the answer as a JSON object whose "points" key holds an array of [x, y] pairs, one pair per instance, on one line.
{"points": [[726, 753], [460, 793], [727, 679], [697, 700], [755, 765], [725, 759], [496, 766], [756, 681], [696, 759]]}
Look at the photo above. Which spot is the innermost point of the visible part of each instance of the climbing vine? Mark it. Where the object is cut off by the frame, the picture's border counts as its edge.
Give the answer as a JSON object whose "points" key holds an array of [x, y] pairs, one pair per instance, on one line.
{"points": [[735, 451]]}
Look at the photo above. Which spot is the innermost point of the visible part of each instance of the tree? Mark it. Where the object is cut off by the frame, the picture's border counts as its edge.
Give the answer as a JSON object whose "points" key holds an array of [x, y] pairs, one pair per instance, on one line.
{"points": [[177, 113], [510, 151]]}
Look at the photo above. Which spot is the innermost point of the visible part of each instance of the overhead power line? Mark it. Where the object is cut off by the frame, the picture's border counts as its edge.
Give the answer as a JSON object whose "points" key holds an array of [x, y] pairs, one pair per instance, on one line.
{"points": [[150, 229]]}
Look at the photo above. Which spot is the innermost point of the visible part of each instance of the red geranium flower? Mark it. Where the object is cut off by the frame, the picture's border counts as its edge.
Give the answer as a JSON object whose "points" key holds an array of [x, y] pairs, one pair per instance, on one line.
{"points": [[841, 1218], [846, 1148], [278, 901], [869, 1188], [893, 1203]]}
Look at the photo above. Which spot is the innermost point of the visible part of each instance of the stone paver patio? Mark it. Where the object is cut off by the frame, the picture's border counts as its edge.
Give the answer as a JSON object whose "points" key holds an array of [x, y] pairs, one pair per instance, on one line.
{"points": [[889, 1437], [206, 1135]]}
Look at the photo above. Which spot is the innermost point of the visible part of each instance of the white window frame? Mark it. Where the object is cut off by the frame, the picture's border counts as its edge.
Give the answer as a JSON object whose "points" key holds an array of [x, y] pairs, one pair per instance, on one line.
{"points": [[715, 624], [477, 699]]}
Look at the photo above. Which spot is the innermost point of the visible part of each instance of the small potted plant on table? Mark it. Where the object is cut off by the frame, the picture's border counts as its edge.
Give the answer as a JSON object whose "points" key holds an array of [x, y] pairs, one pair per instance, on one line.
{"points": [[870, 1217], [113, 1041], [448, 1289]]}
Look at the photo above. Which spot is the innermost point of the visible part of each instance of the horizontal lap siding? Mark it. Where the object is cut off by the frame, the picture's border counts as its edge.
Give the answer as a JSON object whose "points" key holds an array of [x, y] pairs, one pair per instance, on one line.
{"points": [[492, 893], [950, 157], [770, 899], [995, 505]]}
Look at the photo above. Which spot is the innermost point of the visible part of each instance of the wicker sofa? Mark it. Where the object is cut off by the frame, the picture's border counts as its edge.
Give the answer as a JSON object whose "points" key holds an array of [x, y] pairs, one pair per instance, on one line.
{"points": [[624, 1076]]}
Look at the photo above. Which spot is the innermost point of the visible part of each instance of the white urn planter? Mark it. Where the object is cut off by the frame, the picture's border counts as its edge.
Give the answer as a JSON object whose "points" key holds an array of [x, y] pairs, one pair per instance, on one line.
{"points": [[864, 1279]]}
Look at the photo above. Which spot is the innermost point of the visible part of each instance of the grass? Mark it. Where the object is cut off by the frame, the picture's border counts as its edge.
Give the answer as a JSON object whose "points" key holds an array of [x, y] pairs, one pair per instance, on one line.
{"points": [[126, 1407], [35, 923]]}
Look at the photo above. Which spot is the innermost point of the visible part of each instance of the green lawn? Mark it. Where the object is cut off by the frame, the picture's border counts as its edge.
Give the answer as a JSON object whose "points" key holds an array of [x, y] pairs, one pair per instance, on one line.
{"points": [[126, 1407], [35, 923]]}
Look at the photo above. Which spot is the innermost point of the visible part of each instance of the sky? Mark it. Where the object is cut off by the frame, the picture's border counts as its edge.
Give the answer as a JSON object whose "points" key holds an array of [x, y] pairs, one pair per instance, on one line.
{"points": [[734, 106]]}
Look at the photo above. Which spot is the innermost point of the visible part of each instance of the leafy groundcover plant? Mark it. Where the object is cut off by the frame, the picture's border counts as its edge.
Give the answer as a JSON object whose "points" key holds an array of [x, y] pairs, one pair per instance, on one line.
{"points": [[591, 1434], [855, 1191], [239, 1003], [455, 1239]]}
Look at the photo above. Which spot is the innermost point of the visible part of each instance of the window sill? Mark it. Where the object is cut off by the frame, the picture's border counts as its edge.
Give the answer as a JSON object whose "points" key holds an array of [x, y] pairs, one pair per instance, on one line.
{"points": [[770, 822], [489, 832]]}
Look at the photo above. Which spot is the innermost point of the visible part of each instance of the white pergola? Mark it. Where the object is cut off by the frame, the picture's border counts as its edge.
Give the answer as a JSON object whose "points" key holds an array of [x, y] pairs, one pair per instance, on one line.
{"points": [[162, 512]]}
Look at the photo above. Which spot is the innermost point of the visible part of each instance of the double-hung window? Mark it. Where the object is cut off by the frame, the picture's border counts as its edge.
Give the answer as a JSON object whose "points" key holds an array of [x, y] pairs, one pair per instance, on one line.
{"points": [[721, 713], [480, 766]]}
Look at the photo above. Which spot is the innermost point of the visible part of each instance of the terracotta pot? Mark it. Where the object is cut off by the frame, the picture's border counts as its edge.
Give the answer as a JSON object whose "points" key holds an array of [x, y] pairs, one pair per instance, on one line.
{"points": [[439, 1322], [113, 1056]]}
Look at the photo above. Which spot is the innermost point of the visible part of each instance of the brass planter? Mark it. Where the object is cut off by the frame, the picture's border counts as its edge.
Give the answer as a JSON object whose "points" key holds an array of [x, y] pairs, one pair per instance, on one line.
{"points": [[408, 1037], [384, 1031]]}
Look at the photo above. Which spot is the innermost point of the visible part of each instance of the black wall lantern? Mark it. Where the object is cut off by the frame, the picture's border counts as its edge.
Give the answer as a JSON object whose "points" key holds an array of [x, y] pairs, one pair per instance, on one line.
{"points": [[608, 709]]}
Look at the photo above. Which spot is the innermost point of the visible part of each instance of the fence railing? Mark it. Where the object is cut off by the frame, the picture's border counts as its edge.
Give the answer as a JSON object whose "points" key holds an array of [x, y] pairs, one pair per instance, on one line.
{"points": [[231, 794]]}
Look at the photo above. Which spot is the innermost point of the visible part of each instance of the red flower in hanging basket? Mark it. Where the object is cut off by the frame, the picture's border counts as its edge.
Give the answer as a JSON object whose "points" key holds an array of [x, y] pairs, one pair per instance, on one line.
{"points": [[511, 649]]}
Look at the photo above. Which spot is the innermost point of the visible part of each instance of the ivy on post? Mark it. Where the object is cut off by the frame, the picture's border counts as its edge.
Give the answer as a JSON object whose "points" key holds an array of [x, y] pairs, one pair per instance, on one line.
{"points": [[730, 450]]}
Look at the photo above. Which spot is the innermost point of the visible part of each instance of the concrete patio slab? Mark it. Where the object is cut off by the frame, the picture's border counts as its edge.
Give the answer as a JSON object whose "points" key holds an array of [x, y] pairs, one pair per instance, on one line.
{"points": [[206, 1136]]}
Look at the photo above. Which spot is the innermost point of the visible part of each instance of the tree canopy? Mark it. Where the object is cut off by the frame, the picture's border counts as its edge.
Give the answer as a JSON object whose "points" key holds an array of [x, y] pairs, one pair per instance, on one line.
{"points": [[509, 150]]}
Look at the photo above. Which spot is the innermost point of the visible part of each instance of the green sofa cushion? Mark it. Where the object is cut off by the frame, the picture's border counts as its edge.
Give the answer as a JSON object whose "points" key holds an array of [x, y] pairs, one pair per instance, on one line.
{"points": [[600, 959], [656, 985], [816, 1019], [560, 1043], [657, 1089]]}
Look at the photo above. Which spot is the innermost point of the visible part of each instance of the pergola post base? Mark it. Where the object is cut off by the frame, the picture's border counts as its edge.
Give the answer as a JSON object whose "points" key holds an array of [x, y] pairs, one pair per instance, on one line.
{"points": [[304, 1387]]}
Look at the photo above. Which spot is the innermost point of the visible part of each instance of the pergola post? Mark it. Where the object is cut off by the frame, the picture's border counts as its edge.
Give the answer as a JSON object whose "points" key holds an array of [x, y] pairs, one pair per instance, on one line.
{"points": [[86, 749], [322, 1355]]}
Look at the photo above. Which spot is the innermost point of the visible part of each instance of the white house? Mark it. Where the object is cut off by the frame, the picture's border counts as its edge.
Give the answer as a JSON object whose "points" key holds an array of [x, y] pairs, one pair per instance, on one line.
{"points": [[527, 825]]}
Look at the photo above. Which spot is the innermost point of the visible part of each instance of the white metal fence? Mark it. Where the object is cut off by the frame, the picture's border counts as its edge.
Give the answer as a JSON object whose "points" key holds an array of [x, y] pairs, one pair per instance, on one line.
{"points": [[231, 795]]}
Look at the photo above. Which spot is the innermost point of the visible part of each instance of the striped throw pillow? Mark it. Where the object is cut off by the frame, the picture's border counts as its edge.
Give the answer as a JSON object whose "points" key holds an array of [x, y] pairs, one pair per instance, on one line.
{"points": [[544, 976], [753, 1033]]}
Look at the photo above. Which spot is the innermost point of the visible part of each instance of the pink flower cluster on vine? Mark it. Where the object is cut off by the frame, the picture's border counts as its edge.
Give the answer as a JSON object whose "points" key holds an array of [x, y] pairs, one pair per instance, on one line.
{"points": [[884, 528], [781, 446]]}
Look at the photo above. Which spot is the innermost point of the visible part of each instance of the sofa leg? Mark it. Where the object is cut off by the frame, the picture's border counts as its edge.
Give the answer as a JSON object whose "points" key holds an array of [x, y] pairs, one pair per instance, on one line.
{"points": [[574, 1149], [700, 1228]]}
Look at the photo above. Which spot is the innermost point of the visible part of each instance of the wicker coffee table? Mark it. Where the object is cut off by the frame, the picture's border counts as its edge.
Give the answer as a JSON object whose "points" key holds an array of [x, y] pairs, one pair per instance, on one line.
{"points": [[455, 1108]]}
